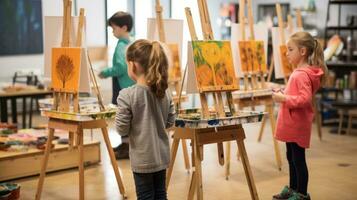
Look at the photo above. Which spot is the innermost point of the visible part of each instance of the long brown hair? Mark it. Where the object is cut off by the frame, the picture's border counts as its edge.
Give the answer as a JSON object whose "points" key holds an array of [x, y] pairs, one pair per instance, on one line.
{"points": [[315, 54], [151, 56]]}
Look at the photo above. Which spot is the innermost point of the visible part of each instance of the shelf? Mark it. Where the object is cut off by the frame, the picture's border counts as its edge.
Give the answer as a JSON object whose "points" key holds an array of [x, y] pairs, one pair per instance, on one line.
{"points": [[333, 64], [344, 2], [341, 28]]}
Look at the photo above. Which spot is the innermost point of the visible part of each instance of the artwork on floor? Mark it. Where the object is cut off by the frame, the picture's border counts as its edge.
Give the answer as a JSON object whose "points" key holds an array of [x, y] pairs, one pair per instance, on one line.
{"points": [[66, 69], [20, 27], [174, 68], [214, 65]]}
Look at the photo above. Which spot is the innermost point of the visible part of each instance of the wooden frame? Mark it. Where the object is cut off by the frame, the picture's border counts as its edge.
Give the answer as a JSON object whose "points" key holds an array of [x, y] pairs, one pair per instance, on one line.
{"points": [[218, 135], [75, 128]]}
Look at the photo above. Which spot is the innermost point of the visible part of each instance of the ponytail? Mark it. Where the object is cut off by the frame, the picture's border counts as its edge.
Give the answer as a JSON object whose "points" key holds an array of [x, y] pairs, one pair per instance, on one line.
{"points": [[156, 74], [314, 51], [317, 59], [151, 56]]}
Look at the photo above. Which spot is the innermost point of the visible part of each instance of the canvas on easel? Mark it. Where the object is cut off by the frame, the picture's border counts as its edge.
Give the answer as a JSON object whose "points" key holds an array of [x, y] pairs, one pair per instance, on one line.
{"points": [[214, 65], [66, 73], [282, 67], [238, 48], [214, 58], [66, 69], [173, 43], [53, 37]]}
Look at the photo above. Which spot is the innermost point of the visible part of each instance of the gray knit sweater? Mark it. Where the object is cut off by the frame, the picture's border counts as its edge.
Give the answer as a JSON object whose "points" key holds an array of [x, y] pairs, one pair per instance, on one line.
{"points": [[145, 118]]}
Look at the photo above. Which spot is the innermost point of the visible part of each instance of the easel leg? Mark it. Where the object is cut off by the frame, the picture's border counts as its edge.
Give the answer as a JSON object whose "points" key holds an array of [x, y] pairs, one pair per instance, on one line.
{"points": [[174, 148], [70, 141], [276, 144], [198, 170], [44, 163], [247, 170], [228, 159], [114, 162], [193, 185], [262, 126], [80, 164], [317, 118], [185, 155], [220, 153]]}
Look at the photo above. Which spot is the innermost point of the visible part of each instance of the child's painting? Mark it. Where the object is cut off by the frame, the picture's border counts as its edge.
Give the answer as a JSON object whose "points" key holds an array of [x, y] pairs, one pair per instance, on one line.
{"points": [[174, 68], [245, 56], [214, 66], [287, 68], [259, 57], [66, 69]]}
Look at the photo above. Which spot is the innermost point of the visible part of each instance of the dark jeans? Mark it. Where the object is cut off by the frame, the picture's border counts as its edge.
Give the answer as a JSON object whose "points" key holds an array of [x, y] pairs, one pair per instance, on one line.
{"points": [[299, 175], [115, 90], [150, 186]]}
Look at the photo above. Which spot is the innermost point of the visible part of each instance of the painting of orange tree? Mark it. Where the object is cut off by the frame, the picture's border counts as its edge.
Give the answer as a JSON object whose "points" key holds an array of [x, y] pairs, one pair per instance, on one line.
{"points": [[65, 69], [214, 65]]}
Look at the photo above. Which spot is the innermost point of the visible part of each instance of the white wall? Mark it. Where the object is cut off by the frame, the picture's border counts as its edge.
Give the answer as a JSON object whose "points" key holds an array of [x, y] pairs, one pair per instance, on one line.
{"points": [[95, 12]]}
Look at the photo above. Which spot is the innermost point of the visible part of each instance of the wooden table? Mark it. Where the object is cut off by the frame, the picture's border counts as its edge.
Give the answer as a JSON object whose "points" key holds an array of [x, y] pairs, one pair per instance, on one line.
{"points": [[32, 93]]}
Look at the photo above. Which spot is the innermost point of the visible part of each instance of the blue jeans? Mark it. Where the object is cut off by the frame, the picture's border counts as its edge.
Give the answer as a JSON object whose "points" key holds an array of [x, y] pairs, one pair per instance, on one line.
{"points": [[150, 186]]}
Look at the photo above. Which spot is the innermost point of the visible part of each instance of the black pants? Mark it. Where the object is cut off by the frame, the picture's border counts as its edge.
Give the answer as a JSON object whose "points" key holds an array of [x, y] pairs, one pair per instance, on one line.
{"points": [[150, 186], [115, 90], [299, 175]]}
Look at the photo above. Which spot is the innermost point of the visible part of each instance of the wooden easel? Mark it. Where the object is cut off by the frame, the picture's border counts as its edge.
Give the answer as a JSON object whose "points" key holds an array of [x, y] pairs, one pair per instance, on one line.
{"points": [[76, 128], [201, 137], [265, 100], [176, 83]]}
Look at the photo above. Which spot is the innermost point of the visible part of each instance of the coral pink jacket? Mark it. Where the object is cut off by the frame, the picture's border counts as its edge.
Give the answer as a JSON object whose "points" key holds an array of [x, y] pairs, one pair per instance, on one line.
{"points": [[296, 112]]}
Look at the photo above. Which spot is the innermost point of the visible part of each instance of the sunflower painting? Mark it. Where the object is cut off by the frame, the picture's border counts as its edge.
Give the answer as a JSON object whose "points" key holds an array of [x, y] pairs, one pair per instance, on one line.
{"points": [[214, 66], [65, 69], [244, 55], [287, 68], [174, 68], [259, 57]]}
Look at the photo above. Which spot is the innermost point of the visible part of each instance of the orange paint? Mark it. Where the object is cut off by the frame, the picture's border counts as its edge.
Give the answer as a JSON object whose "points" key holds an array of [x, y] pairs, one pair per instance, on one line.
{"points": [[66, 69], [214, 66]]}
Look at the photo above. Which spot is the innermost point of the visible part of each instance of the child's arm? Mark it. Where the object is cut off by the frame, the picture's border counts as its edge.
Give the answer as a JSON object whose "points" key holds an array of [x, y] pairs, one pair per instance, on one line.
{"points": [[123, 116], [172, 115], [304, 93], [119, 63]]}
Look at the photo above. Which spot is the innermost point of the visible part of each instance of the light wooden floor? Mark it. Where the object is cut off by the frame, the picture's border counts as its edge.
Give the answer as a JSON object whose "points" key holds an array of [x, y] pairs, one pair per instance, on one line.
{"points": [[332, 166]]}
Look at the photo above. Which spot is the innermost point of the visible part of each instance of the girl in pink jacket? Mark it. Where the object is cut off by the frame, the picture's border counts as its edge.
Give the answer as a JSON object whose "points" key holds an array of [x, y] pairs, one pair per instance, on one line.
{"points": [[296, 112]]}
